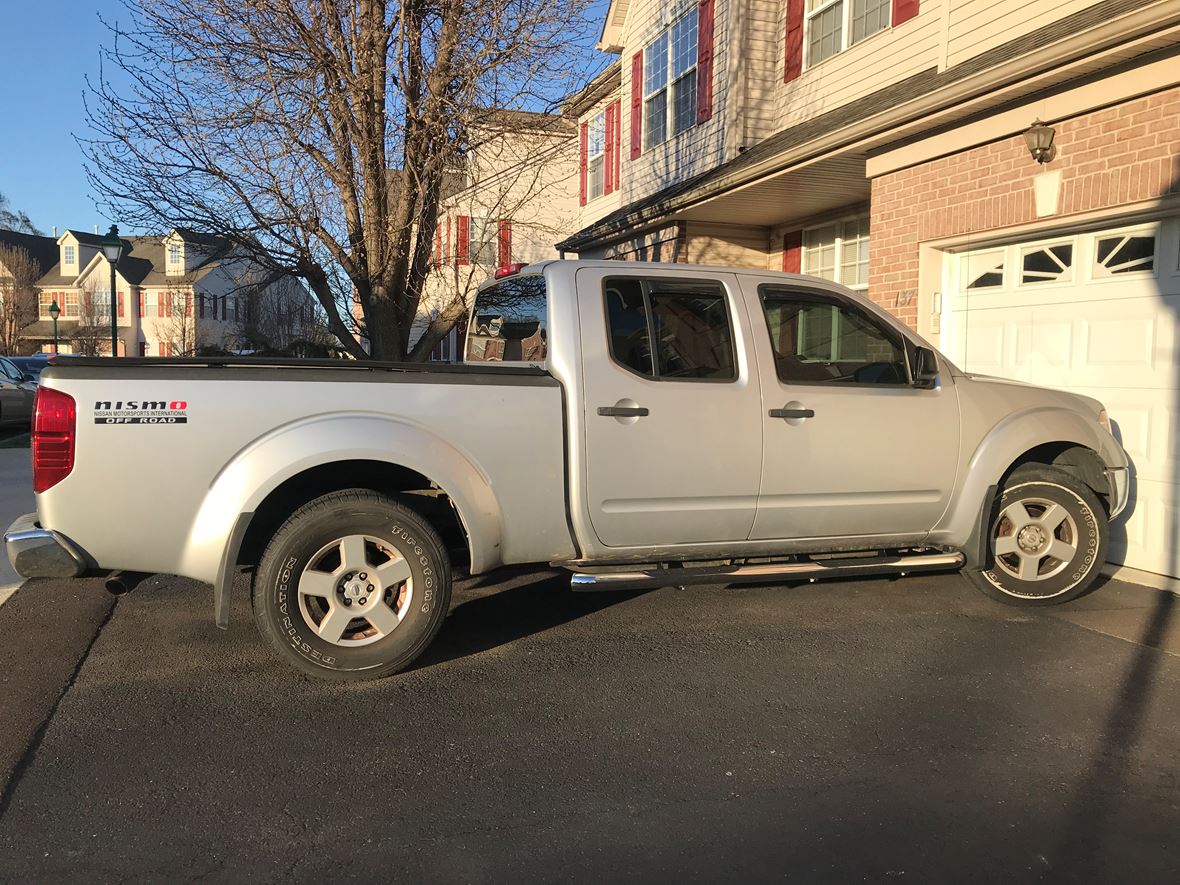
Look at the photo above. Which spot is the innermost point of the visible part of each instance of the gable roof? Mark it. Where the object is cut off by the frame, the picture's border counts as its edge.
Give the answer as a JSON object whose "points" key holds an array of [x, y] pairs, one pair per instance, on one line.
{"points": [[43, 250], [144, 264]]}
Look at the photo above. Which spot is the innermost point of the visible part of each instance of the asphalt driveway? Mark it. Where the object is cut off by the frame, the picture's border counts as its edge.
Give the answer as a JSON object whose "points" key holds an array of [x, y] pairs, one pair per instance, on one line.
{"points": [[870, 731]]}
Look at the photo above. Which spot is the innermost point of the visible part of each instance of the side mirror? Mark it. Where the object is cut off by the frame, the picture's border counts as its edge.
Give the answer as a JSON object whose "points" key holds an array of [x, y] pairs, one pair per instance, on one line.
{"points": [[925, 368]]}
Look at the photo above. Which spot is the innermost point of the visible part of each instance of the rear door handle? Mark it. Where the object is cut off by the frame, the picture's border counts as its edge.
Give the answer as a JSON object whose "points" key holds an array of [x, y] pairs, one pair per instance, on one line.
{"points": [[792, 413], [623, 411]]}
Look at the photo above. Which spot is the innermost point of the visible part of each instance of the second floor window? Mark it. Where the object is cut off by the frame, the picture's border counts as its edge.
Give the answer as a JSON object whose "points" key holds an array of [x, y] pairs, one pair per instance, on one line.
{"points": [[174, 254], [596, 156], [670, 81], [71, 255], [834, 25]]}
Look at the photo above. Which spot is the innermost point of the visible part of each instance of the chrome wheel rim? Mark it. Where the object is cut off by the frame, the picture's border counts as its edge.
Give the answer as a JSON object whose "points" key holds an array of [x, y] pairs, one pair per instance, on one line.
{"points": [[355, 591], [1035, 539]]}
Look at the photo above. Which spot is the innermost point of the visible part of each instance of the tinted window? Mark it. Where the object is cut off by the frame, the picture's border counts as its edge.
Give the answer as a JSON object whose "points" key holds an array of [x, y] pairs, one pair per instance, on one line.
{"points": [[509, 322], [688, 320], [816, 338]]}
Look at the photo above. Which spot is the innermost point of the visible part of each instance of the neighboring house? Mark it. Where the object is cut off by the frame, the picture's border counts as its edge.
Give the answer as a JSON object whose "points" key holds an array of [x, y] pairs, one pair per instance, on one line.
{"points": [[175, 295], [17, 307], [884, 144], [513, 197]]}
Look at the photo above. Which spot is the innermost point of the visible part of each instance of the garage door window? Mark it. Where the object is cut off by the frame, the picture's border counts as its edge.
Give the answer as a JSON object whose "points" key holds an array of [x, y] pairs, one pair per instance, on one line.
{"points": [[983, 270], [1046, 264], [1124, 253]]}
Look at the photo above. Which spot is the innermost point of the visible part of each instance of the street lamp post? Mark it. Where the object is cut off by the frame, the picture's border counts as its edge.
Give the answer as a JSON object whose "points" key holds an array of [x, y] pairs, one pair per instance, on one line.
{"points": [[54, 313], [112, 248]]}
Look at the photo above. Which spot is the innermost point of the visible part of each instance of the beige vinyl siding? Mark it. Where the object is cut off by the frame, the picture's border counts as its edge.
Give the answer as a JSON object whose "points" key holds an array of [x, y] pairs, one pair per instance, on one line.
{"points": [[695, 150], [752, 71], [976, 26], [887, 57], [728, 245]]}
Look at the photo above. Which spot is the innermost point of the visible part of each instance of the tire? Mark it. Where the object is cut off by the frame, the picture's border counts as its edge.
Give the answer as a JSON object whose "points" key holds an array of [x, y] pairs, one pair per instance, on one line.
{"points": [[1043, 511], [313, 606]]}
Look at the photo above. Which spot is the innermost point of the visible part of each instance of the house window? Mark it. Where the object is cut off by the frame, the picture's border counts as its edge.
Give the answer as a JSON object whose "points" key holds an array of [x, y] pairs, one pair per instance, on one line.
{"points": [[174, 254], [482, 241], [71, 255], [1124, 253], [839, 252], [670, 59], [70, 307], [1046, 264], [834, 25], [596, 156], [983, 270]]}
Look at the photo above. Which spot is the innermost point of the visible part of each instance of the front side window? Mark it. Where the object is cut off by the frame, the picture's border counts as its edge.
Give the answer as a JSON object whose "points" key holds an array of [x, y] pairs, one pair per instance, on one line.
{"points": [[688, 320], [596, 155], [834, 25], [838, 252], [670, 81], [820, 339], [509, 322]]}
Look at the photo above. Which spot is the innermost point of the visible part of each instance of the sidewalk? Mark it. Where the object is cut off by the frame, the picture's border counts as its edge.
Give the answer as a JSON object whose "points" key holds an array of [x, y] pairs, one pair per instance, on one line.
{"points": [[16, 498]]}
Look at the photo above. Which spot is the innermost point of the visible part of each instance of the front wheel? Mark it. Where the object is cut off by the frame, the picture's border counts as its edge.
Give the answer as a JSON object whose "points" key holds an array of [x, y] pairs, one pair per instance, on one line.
{"points": [[1047, 539], [353, 586]]}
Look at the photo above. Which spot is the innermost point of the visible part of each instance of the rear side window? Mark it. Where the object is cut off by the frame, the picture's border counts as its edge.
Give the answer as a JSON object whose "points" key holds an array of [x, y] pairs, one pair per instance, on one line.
{"points": [[818, 338], [509, 322], [688, 321]]}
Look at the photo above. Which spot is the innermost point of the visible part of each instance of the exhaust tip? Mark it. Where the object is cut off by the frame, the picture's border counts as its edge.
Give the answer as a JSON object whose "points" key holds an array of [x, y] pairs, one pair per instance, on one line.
{"points": [[122, 583]]}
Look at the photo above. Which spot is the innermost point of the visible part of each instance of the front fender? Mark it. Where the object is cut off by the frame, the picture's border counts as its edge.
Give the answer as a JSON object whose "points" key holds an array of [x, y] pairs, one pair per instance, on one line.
{"points": [[264, 464], [1003, 445]]}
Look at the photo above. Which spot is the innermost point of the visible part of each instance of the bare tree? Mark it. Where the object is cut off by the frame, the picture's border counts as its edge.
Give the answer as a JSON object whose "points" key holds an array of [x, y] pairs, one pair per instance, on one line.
{"points": [[15, 219], [93, 334], [19, 273], [179, 325], [315, 134]]}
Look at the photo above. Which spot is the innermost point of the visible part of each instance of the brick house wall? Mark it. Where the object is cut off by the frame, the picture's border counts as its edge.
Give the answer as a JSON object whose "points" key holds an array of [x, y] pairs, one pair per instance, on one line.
{"points": [[1123, 154]]}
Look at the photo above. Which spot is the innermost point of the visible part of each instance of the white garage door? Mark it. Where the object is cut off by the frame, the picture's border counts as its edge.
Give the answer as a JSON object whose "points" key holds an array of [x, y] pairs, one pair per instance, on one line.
{"points": [[1096, 313]]}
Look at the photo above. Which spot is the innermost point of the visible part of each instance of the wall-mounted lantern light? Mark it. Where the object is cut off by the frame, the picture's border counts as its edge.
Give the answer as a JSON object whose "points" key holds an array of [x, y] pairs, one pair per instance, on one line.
{"points": [[1039, 138]]}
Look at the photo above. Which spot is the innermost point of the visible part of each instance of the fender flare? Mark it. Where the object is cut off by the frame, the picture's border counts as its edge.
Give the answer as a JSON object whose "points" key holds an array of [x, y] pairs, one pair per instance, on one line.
{"points": [[240, 488], [1002, 446]]}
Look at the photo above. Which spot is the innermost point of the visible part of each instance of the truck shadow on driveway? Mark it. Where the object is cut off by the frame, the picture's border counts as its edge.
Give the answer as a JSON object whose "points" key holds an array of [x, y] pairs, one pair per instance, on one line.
{"points": [[491, 611]]}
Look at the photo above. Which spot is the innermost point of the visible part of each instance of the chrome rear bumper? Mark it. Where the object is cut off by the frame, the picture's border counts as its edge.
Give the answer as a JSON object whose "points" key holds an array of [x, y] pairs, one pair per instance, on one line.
{"points": [[41, 553]]}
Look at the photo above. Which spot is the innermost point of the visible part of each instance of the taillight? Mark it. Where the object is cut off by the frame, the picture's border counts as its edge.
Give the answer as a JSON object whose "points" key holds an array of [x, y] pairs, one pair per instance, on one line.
{"points": [[507, 270], [55, 419]]}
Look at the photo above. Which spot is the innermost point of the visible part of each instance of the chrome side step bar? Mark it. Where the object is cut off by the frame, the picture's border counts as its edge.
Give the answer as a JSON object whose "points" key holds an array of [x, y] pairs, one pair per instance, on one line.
{"points": [[648, 579]]}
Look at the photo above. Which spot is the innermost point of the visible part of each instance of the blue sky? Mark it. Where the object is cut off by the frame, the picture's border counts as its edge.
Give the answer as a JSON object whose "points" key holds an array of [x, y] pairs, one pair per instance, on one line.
{"points": [[48, 50]]}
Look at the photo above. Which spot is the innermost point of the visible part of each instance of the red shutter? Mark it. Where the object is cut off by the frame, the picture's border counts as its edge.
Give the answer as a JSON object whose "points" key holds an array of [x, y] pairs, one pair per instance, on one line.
{"points": [[463, 240], [608, 156], [704, 60], [636, 105], [793, 251], [188, 305], [505, 241], [618, 179], [904, 10], [584, 146], [793, 66], [120, 305], [437, 242], [447, 244], [142, 298], [163, 349]]}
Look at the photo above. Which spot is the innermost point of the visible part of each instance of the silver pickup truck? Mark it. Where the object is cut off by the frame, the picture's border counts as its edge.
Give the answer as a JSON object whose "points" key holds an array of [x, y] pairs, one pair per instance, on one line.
{"points": [[641, 425]]}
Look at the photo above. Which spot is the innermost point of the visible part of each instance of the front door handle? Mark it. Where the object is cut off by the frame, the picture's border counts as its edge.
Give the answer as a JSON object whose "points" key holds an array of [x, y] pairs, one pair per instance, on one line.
{"points": [[623, 411], [792, 413]]}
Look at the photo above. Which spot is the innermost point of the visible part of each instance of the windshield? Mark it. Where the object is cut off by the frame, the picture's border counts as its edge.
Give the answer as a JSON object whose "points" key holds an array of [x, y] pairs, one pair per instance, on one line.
{"points": [[508, 323]]}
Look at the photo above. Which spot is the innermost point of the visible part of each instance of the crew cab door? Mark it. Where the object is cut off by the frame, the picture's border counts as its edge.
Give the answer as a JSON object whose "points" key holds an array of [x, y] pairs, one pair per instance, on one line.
{"points": [[851, 446], [673, 432]]}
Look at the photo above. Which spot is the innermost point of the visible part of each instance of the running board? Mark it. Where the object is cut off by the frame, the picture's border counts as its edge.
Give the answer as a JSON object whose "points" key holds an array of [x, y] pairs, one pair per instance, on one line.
{"points": [[649, 579]]}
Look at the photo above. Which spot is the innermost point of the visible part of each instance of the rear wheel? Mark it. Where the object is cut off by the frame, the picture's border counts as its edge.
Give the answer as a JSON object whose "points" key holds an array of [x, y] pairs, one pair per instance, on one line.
{"points": [[1047, 539], [353, 586]]}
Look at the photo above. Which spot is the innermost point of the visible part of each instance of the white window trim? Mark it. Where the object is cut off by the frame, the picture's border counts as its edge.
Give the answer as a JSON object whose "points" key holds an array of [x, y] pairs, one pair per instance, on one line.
{"points": [[669, 80], [845, 30], [837, 270], [600, 117]]}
